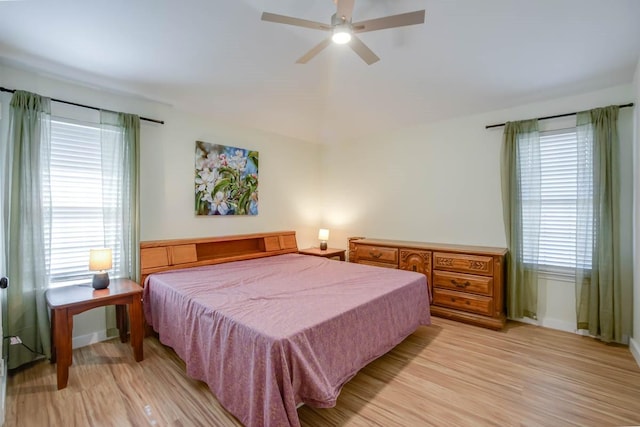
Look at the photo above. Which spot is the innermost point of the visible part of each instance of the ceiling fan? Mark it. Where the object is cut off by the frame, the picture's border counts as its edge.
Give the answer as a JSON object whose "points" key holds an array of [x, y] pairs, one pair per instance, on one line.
{"points": [[344, 30]]}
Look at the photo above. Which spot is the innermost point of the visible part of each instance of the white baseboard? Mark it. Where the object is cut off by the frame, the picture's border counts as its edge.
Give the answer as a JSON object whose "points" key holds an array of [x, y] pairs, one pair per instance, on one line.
{"points": [[526, 320], [85, 340], [634, 346], [561, 325]]}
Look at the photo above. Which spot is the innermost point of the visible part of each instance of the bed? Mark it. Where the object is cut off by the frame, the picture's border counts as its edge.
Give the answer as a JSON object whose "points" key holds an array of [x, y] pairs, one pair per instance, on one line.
{"points": [[269, 333]]}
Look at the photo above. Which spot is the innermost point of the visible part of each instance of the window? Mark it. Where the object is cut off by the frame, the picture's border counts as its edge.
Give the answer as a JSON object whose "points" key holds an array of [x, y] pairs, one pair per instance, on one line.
{"points": [[558, 203], [79, 201]]}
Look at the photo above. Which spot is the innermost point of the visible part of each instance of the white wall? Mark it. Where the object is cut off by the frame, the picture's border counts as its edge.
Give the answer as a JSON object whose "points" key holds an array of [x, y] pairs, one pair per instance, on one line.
{"points": [[634, 344], [441, 183], [289, 172]]}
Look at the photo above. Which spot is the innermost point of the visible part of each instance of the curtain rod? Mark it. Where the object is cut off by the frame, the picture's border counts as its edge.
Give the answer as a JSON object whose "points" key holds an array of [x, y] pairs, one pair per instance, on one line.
{"points": [[555, 117], [2, 89]]}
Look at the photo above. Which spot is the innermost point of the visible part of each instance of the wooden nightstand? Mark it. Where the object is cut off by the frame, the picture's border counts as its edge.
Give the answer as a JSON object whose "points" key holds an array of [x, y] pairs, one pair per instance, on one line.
{"points": [[67, 301], [327, 253]]}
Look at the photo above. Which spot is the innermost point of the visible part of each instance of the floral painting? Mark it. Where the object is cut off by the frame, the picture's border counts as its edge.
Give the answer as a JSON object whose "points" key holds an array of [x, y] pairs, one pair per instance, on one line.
{"points": [[226, 180]]}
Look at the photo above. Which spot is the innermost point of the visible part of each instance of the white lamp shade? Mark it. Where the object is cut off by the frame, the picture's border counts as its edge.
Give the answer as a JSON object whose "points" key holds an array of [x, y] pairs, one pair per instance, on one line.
{"points": [[323, 234], [99, 259]]}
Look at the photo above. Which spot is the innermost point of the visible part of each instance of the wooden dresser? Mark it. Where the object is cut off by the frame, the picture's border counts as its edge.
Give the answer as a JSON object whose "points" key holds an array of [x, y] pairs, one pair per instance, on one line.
{"points": [[466, 283]]}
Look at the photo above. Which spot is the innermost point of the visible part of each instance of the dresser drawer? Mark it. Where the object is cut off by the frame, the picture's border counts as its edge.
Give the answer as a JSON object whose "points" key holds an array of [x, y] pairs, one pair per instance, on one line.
{"points": [[464, 263], [377, 264], [461, 301], [463, 282], [377, 254]]}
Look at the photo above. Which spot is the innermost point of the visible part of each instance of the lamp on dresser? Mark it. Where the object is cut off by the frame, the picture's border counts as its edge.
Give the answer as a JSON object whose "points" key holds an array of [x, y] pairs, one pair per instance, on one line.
{"points": [[100, 261]]}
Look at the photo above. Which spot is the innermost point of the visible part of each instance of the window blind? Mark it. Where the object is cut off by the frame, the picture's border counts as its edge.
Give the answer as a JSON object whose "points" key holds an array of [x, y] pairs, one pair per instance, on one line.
{"points": [[77, 202], [556, 205]]}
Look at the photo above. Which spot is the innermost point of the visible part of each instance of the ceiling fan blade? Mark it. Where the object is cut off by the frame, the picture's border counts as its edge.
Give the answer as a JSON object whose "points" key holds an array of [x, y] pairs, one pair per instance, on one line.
{"points": [[363, 51], [404, 19], [314, 51], [281, 19], [345, 8]]}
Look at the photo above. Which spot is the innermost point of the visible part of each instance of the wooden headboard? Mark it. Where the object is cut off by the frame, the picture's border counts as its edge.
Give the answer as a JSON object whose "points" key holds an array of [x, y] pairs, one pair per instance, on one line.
{"points": [[163, 255]]}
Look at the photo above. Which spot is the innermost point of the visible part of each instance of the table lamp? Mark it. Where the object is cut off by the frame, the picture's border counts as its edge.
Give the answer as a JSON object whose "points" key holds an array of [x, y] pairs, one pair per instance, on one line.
{"points": [[323, 236], [100, 260]]}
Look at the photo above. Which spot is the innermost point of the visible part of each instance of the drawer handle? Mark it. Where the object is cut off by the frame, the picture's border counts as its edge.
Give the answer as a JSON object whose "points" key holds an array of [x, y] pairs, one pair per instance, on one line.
{"points": [[453, 299], [459, 284], [414, 268], [375, 255]]}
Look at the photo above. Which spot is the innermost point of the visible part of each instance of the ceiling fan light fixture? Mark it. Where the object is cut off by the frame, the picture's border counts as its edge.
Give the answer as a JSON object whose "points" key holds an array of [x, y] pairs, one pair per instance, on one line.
{"points": [[341, 34], [343, 29]]}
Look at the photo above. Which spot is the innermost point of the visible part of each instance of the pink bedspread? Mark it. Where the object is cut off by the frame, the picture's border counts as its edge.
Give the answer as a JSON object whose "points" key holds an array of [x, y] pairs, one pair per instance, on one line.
{"points": [[268, 334]]}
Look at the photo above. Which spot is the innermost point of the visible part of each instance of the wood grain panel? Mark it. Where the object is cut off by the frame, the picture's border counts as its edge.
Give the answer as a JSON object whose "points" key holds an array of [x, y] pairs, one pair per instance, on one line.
{"points": [[271, 243], [154, 257], [288, 241], [181, 254]]}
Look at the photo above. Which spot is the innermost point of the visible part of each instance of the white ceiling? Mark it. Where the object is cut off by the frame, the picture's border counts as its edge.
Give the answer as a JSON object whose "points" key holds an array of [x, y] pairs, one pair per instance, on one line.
{"points": [[218, 58]]}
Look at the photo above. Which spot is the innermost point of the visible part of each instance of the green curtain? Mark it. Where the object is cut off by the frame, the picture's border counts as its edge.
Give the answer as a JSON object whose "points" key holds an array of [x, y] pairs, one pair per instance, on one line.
{"points": [[28, 217], [120, 142], [602, 295], [520, 163], [131, 125]]}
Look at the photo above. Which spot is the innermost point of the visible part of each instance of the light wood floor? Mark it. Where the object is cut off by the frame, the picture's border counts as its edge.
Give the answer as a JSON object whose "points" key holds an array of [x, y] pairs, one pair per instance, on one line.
{"points": [[445, 374]]}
